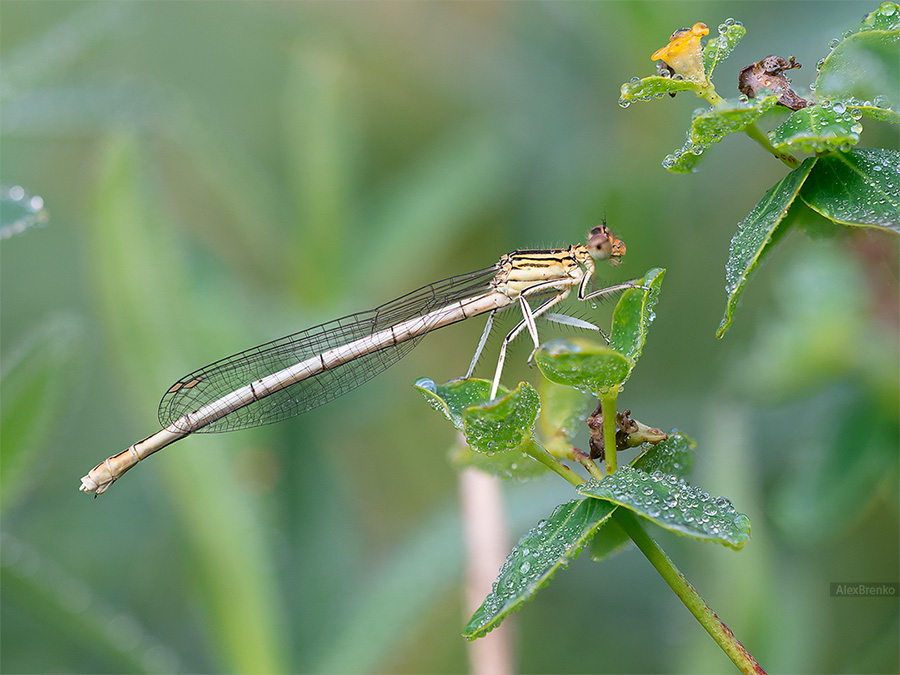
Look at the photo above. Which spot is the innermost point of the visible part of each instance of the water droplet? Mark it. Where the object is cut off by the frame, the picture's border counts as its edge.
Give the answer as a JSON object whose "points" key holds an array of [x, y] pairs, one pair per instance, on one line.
{"points": [[427, 383]]}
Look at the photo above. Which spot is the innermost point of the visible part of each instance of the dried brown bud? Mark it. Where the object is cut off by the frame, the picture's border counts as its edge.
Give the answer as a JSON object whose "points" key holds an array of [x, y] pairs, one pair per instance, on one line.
{"points": [[769, 74]]}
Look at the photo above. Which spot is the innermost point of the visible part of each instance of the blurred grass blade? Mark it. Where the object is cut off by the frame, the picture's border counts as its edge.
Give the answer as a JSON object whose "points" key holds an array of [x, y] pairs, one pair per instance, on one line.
{"points": [[321, 131], [36, 388], [55, 50], [66, 606], [423, 209], [141, 285]]}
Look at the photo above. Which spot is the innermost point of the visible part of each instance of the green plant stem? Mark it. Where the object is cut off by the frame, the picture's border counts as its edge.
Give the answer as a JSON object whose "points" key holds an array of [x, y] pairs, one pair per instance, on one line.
{"points": [[538, 452], [687, 594], [608, 407], [591, 466], [753, 132], [709, 95]]}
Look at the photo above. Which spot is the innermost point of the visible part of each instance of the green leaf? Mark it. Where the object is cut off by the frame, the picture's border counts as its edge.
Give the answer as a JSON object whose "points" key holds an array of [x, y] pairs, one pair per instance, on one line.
{"points": [[452, 398], [673, 504], [876, 109], [865, 64], [582, 364], [817, 129], [36, 386], [536, 558], [711, 125], [632, 317], [674, 456], [654, 86], [506, 465], [507, 422], [504, 423], [860, 188], [610, 540], [886, 17], [717, 49], [757, 234], [563, 411]]}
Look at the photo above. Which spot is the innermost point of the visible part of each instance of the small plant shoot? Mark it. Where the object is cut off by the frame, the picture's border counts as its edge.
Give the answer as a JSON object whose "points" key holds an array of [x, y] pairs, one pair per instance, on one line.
{"points": [[848, 186], [652, 487]]}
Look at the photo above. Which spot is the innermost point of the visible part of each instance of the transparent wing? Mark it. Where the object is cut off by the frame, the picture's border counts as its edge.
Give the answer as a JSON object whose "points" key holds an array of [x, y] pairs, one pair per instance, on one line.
{"points": [[211, 383]]}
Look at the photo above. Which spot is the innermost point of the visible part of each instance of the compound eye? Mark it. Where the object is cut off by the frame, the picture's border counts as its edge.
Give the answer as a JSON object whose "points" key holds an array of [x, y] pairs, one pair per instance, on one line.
{"points": [[599, 244]]}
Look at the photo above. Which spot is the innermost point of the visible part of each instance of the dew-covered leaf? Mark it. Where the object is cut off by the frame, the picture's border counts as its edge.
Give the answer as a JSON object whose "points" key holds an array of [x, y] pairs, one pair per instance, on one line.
{"points": [[674, 456], [860, 188], [865, 64], [506, 465], [610, 540], [504, 423], [552, 544], [563, 411], [583, 364], [886, 17], [817, 129], [633, 315], [756, 235], [718, 48], [711, 125], [876, 109], [674, 505], [452, 398], [654, 86]]}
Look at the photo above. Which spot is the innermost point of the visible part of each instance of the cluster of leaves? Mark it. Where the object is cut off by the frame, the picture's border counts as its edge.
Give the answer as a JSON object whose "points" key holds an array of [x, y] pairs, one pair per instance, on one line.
{"points": [[502, 435], [841, 184]]}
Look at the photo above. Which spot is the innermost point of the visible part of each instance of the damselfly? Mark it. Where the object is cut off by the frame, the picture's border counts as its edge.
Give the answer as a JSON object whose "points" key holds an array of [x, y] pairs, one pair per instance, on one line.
{"points": [[286, 377]]}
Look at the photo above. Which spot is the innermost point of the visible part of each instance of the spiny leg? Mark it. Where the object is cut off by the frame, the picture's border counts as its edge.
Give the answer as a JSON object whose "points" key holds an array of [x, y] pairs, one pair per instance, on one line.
{"points": [[481, 342], [529, 316]]}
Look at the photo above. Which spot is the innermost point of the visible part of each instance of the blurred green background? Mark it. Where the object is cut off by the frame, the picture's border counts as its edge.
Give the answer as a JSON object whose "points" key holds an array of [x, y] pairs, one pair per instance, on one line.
{"points": [[221, 174]]}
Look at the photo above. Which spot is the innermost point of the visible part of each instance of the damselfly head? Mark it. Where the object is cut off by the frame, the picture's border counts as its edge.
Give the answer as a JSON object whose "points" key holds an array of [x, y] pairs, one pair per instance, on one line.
{"points": [[603, 245]]}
